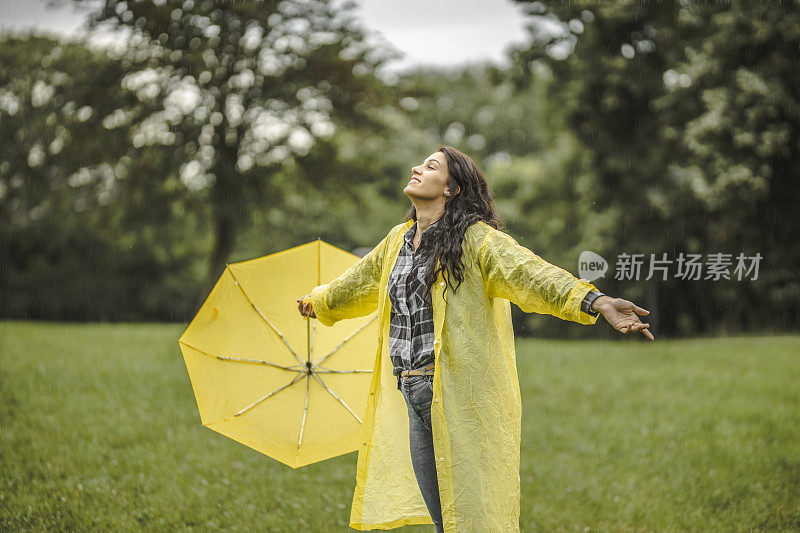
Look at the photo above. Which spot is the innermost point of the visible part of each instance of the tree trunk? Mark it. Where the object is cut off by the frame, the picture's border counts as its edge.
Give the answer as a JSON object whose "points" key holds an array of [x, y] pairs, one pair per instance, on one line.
{"points": [[224, 241], [227, 206], [651, 304]]}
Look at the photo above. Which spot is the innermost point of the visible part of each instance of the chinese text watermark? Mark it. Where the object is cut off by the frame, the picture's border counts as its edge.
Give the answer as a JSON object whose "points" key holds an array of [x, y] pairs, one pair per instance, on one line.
{"points": [[716, 266]]}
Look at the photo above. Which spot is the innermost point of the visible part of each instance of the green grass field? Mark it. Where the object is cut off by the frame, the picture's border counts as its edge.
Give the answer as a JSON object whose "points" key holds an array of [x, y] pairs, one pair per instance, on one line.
{"points": [[99, 430]]}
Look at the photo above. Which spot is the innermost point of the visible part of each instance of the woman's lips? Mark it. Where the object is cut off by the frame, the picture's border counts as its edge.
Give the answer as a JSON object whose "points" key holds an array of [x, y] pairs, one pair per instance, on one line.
{"points": [[412, 180]]}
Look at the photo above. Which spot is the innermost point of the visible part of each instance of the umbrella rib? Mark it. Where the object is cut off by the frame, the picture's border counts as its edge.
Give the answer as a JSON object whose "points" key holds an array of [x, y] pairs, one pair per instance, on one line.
{"points": [[295, 380], [303, 423], [337, 397], [296, 368], [323, 370], [243, 360], [276, 331], [236, 282], [368, 322]]}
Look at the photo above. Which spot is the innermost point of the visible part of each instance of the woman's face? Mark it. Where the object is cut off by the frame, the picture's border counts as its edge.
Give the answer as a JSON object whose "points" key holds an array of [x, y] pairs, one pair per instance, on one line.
{"points": [[428, 180]]}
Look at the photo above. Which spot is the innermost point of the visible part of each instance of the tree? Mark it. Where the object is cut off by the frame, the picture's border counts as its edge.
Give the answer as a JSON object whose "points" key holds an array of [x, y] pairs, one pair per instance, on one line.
{"points": [[243, 88], [687, 110], [80, 237]]}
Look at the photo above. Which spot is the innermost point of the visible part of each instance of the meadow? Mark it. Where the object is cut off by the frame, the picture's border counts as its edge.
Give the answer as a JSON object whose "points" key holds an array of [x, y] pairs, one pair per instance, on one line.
{"points": [[99, 430]]}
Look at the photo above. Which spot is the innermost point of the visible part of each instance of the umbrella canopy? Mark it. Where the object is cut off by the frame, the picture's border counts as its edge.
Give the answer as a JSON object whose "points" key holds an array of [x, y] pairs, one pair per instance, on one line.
{"points": [[267, 377]]}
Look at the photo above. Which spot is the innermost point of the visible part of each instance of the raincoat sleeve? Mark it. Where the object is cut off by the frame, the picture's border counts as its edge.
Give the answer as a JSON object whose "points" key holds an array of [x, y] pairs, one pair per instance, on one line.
{"points": [[515, 273], [352, 294]]}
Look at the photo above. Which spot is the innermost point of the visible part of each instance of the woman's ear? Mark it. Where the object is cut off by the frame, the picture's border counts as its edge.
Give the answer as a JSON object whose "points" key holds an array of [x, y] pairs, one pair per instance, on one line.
{"points": [[448, 192]]}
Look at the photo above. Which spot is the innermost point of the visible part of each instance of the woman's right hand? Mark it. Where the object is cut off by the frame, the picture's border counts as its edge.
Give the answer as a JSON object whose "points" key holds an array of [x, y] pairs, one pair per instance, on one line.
{"points": [[307, 310]]}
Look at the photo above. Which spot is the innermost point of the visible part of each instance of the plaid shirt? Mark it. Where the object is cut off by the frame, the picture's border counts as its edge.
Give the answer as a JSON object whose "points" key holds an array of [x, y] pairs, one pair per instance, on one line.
{"points": [[411, 334], [411, 326]]}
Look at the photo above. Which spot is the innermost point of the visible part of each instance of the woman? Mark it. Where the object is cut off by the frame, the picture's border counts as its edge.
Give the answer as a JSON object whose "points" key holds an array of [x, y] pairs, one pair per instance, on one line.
{"points": [[441, 282]]}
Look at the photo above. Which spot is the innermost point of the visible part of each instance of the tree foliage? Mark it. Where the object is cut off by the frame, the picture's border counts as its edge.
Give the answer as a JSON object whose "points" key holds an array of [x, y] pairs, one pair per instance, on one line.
{"points": [[81, 234], [242, 89], [219, 132], [688, 111]]}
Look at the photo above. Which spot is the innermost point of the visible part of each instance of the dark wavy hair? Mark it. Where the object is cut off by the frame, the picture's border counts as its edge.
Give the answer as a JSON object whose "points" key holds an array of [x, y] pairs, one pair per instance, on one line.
{"points": [[472, 202]]}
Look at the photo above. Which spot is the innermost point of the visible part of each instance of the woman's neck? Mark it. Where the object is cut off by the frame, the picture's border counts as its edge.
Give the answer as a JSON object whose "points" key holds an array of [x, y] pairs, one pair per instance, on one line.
{"points": [[427, 215]]}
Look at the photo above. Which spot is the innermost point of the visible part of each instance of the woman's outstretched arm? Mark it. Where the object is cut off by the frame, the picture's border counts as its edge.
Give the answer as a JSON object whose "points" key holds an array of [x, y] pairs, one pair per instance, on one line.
{"points": [[517, 274], [352, 294]]}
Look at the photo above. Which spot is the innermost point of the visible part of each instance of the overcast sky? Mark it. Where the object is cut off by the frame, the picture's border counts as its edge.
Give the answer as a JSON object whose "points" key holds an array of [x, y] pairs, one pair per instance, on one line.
{"points": [[432, 32]]}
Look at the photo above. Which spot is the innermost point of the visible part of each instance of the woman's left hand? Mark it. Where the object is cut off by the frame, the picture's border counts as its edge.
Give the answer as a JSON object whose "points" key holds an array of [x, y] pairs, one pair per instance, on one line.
{"points": [[305, 307], [623, 315]]}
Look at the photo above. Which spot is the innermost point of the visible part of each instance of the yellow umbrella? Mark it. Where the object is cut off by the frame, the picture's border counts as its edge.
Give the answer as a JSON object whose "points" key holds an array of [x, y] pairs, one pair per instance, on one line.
{"points": [[267, 377]]}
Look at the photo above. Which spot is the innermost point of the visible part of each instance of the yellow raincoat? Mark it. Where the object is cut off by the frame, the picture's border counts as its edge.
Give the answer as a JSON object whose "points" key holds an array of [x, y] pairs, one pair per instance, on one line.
{"points": [[476, 408]]}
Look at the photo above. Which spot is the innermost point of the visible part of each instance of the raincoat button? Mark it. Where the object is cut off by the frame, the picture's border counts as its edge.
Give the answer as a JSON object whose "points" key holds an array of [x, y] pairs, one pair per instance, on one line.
{"points": [[441, 283], [436, 400], [441, 458]]}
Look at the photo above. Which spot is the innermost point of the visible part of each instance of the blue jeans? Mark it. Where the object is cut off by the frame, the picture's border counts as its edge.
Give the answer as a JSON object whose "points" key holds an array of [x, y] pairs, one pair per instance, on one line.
{"points": [[418, 392]]}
